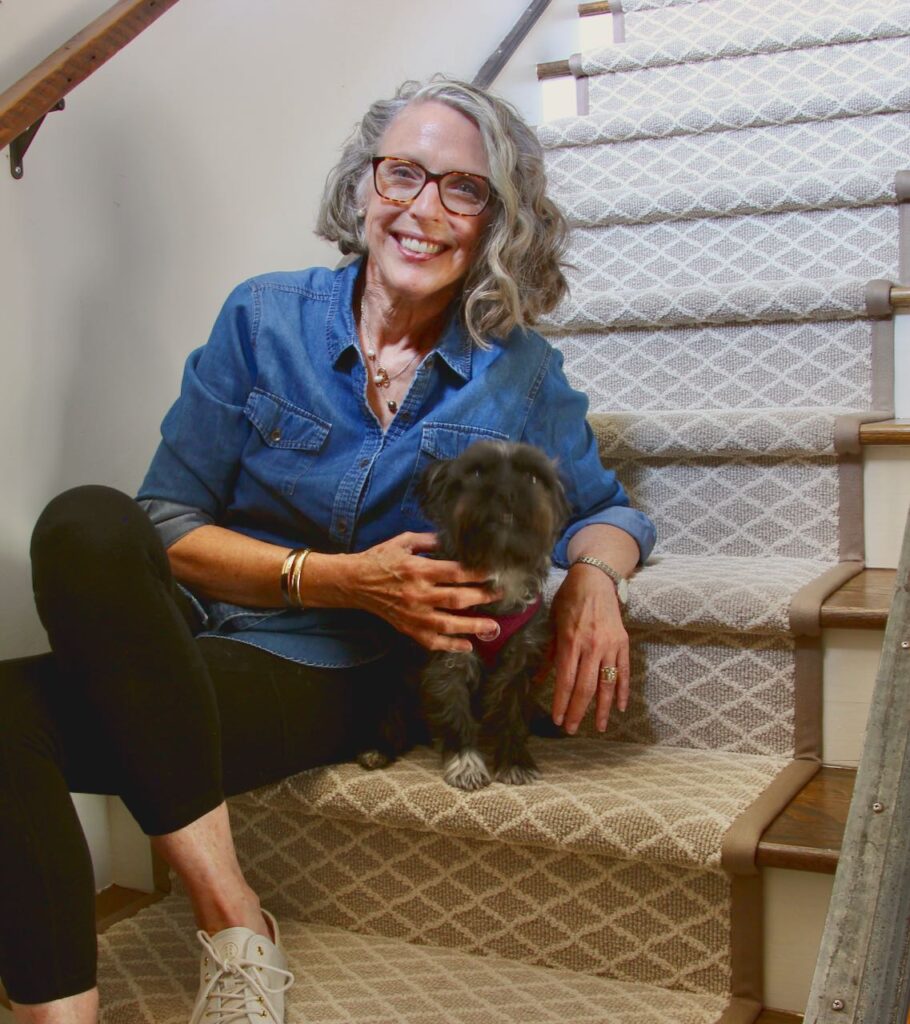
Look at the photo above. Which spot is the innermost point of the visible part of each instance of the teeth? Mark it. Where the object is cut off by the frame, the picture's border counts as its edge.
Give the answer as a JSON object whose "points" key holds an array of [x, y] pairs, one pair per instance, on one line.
{"points": [[416, 245]]}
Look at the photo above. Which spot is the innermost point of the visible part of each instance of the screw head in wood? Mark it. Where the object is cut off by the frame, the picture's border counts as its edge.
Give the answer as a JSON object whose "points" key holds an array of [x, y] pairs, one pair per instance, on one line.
{"points": [[837, 1004], [905, 644], [878, 807]]}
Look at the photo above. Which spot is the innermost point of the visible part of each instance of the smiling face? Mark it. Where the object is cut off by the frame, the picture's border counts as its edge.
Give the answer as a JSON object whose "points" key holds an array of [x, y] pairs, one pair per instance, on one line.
{"points": [[420, 253]]}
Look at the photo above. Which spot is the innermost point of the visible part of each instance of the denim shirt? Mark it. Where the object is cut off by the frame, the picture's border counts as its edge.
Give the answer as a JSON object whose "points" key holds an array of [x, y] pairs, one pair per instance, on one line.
{"points": [[272, 436]]}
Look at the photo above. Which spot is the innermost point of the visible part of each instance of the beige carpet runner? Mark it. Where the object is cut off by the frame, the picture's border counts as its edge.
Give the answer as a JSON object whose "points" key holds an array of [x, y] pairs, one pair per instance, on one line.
{"points": [[733, 188]]}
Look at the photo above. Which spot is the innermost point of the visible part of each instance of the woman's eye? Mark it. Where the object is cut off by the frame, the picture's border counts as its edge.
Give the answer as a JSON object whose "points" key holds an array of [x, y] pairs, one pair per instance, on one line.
{"points": [[466, 187]]}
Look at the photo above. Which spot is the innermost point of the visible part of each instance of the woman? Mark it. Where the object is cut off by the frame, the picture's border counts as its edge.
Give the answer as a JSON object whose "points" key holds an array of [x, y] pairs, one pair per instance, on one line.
{"points": [[283, 492]]}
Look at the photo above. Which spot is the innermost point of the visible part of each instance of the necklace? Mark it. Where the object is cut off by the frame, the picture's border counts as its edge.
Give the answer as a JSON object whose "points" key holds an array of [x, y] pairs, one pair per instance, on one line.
{"points": [[381, 377]]}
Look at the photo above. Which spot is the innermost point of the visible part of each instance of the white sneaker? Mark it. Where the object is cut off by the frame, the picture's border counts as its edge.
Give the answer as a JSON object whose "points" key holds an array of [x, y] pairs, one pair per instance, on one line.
{"points": [[242, 978]]}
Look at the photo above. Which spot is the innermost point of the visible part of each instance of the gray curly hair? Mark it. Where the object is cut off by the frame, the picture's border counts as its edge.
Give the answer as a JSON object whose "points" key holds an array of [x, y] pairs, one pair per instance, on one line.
{"points": [[517, 274]]}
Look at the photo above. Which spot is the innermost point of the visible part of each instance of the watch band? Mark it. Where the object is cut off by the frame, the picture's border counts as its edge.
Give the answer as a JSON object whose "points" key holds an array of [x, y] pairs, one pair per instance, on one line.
{"points": [[622, 584]]}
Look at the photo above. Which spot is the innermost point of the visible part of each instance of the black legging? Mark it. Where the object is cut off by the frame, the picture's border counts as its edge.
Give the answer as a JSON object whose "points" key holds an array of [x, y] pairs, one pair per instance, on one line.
{"points": [[130, 703]]}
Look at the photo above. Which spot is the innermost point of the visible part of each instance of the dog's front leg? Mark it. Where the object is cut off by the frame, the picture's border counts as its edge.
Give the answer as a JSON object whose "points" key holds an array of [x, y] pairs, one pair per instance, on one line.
{"points": [[448, 681], [506, 714]]}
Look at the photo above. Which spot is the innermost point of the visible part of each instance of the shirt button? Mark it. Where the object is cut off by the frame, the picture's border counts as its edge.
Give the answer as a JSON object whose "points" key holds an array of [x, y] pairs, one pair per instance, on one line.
{"points": [[275, 435], [364, 463], [342, 526]]}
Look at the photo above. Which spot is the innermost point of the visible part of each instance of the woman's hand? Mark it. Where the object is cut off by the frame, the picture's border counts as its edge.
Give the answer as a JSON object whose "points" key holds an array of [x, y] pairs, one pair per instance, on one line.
{"points": [[588, 635], [416, 595]]}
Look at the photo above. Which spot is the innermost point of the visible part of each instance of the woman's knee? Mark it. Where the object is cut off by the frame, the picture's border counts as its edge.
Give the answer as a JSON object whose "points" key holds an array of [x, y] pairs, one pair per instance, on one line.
{"points": [[89, 535], [89, 522]]}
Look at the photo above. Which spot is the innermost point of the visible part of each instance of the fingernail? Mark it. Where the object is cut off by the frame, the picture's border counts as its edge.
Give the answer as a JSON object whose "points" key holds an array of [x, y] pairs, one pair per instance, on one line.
{"points": [[491, 635], [571, 729], [557, 720]]}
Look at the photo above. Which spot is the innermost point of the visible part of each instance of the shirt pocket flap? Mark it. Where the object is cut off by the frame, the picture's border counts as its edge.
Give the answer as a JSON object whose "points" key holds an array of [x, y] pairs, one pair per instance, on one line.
{"points": [[282, 425], [441, 442], [448, 440]]}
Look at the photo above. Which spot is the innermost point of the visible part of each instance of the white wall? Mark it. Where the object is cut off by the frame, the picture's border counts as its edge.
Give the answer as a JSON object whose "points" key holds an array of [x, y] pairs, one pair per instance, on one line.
{"points": [[191, 160]]}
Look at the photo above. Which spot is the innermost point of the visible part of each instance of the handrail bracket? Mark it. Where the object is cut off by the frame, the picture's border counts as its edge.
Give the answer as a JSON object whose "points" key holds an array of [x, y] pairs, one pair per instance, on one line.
{"points": [[19, 146]]}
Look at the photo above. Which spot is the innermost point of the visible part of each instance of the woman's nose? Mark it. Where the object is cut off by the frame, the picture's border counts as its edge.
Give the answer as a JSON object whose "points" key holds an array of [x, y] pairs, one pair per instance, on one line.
{"points": [[429, 203]]}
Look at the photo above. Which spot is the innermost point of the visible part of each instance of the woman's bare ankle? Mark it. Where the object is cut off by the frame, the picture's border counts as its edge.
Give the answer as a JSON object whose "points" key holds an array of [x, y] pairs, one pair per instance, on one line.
{"points": [[78, 1009]]}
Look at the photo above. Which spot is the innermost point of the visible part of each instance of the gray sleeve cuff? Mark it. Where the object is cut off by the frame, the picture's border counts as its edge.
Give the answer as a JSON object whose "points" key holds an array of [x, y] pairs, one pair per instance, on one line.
{"points": [[172, 520]]}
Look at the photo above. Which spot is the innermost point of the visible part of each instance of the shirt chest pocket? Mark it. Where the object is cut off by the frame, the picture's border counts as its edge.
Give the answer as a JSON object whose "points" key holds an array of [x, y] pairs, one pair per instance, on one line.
{"points": [[284, 443], [440, 442]]}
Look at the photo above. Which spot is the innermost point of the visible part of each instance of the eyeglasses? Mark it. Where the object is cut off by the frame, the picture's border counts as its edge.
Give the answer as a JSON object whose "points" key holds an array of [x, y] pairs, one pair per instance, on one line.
{"points": [[402, 181]]}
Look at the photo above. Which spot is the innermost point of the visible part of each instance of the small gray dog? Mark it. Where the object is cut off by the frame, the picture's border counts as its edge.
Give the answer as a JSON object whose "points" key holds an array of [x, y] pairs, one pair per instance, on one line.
{"points": [[499, 507]]}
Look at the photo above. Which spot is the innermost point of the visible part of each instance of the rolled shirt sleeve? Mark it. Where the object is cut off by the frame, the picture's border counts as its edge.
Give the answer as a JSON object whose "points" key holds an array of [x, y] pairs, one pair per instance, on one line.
{"points": [[191, 477], [557, 423]]}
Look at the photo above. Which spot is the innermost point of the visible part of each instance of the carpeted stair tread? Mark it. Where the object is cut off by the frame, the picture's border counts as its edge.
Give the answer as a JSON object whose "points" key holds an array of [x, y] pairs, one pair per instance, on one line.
{"points": [[888, 94], [149, 972], [649, 22], [796, 298], [806, 148], [664, 805], [721, 30], [649, 6], [722, 366], [721, 593], [779, 73], [672, 200], [718, 433]]}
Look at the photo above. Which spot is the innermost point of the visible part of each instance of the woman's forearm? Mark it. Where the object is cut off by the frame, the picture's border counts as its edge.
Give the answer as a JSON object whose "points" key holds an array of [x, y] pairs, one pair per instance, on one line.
{"points": [[608, 543], [225, 565]]}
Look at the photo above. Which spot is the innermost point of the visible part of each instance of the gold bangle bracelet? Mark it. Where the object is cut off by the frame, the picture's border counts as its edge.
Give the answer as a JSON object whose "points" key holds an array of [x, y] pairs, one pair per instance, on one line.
{"points": [[290, 590], [297, 576]]}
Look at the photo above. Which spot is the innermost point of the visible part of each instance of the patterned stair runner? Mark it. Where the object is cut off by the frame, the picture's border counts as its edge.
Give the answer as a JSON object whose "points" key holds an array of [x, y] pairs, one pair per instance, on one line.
{"points": [[732, 194]]}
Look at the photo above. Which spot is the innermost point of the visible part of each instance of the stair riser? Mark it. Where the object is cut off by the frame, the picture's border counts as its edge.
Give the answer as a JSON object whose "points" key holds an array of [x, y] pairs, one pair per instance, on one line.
{"points": [[723, 366], [699, 689], [796, 904], [748, 508], [775, 74], [879, 141], [624, 920], [781, 247], [887, 501], [728, 30]]}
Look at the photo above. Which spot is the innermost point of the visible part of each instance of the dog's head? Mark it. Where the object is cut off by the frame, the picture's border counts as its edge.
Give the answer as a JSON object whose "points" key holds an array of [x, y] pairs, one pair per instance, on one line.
{"points": [[497, 506]]}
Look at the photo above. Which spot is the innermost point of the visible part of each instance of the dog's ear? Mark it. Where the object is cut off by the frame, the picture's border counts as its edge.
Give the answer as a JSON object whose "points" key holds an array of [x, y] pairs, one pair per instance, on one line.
{"points": [[432, 488]]}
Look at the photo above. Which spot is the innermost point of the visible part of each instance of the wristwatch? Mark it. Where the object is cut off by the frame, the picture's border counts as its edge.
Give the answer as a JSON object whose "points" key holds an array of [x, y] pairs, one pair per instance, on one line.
{"points": [[622, 584]]}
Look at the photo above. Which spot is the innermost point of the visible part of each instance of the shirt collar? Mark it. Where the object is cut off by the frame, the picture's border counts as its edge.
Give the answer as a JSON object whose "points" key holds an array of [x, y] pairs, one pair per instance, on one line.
{"points": [[455, 347]]}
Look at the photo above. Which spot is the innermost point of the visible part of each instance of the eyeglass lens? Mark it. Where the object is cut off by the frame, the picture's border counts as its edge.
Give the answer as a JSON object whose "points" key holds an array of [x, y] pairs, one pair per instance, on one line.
{"points": [[403, 180]]}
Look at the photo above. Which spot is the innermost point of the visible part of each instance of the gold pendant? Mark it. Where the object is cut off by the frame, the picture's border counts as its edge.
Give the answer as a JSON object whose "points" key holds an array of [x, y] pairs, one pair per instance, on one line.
{"points": [[393, 406], [381, 379]]}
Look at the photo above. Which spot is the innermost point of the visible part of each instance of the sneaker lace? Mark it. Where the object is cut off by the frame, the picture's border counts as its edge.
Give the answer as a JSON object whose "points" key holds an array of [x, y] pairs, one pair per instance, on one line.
{"points": [[235, 980]]}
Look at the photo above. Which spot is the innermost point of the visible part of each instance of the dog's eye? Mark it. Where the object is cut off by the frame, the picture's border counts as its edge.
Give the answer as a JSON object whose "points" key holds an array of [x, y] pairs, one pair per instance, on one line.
{"points": [[533, 478], [477, 473]]}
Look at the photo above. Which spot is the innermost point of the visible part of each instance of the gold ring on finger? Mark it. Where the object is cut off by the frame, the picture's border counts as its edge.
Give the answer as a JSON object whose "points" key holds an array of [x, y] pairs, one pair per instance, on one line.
{"points": [[609, 673]]}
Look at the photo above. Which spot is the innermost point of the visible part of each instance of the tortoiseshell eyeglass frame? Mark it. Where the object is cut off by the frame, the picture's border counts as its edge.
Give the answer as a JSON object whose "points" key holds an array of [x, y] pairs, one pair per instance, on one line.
{"points": [[429, 176]]}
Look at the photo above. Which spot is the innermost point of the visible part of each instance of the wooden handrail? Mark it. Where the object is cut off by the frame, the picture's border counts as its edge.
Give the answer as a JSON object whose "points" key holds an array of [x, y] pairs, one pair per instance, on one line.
{"points": [[44, 86]]}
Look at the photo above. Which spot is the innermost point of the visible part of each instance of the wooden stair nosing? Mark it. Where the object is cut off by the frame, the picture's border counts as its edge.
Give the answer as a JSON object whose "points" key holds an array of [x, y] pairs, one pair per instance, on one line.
{"points": [[807, 834], [891, 432], [863, 602]]}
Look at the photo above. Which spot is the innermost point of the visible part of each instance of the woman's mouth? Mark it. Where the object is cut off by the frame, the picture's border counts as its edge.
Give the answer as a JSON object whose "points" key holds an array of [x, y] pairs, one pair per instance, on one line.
{"points": [[419, 246]]}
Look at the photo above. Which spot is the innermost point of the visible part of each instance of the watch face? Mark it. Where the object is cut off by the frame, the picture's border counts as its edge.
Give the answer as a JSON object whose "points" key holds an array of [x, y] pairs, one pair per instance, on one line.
{"points": [[622, 590]]}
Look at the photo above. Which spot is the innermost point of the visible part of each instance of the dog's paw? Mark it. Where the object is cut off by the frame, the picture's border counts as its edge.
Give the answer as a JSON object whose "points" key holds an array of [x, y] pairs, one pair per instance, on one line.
{"points": [[466, 770], [373, 759], [517, 775]]}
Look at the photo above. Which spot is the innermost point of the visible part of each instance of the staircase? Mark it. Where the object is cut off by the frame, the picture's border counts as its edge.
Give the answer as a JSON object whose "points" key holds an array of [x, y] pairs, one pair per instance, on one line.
{"points": [[733, 185]]}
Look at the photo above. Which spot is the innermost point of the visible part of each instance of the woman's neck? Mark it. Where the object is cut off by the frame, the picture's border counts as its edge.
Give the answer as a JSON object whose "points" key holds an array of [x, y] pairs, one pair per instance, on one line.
{"points": [[396, 323]]}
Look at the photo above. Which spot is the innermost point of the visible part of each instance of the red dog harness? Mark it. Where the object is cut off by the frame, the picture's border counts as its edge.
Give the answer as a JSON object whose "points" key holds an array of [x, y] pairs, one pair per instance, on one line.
{"points": [[509, 624]]}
